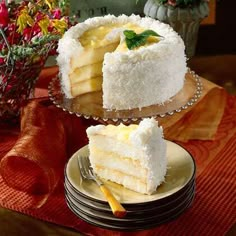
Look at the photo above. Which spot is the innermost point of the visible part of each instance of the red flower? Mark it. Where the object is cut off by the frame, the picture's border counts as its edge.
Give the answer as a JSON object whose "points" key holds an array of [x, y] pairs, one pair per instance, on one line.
{"points": [[172, 2], [4, 17], [39, 16], [29, 33], [56, 14]]}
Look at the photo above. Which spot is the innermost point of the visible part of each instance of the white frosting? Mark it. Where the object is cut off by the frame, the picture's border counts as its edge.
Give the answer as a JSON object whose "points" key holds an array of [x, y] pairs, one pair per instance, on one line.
{"points": [[149, 137], [115, 34], [134, 78], [144, 142]]}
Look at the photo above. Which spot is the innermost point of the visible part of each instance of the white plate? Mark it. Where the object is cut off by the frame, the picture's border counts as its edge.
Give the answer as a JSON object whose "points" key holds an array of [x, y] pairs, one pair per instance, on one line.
{"points": [[181, 170]]}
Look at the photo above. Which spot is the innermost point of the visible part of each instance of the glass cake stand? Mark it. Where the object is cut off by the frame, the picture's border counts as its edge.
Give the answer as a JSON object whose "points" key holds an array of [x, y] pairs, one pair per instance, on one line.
{"points": [[89, 105]]}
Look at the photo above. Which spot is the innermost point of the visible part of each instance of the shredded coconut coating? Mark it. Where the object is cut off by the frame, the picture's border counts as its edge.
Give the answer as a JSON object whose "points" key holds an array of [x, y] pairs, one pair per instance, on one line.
{"points": [[134, 78], [145, 143], [150, 138]]}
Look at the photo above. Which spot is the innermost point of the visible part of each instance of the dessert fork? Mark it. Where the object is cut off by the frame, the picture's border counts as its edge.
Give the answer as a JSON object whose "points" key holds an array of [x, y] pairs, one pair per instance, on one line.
{"points": [[87, 172]]}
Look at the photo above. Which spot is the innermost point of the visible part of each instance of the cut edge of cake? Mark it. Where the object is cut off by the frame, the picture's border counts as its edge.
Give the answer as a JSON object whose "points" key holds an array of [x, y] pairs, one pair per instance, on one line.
{"points": [[133, 156]]}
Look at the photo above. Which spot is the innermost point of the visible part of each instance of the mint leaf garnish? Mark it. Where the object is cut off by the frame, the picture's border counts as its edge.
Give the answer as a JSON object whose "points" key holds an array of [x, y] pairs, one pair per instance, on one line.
{"points": [[150, 33], [129, 34], [134, 40]]}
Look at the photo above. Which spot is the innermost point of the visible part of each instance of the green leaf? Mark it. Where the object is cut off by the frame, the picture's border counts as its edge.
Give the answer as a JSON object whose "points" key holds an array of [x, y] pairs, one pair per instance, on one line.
{"points": [[129, 34], [150, 33], [134, 40]]}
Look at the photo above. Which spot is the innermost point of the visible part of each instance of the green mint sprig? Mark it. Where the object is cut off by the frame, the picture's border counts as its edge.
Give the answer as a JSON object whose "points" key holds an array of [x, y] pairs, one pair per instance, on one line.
{"points": [[134, 40]]}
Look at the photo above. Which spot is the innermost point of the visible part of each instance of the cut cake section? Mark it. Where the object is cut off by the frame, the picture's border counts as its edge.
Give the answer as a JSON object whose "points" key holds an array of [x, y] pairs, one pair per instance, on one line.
{"points": [[147, 75], [96, 42], [133, 156]]}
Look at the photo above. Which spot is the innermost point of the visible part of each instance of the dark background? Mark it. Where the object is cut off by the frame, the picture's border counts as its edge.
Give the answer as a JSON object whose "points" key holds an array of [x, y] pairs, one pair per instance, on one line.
{"points": [[219, 38]]}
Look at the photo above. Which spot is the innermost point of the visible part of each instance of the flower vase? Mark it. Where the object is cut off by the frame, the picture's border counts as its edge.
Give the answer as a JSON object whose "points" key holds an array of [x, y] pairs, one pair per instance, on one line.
{"points": [[17, 84], [29, 33], [185, 21]]}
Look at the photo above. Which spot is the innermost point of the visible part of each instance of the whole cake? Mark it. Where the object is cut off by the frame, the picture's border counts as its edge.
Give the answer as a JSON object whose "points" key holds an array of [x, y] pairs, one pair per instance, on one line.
{"points": [[133, 156], [136, 62]]}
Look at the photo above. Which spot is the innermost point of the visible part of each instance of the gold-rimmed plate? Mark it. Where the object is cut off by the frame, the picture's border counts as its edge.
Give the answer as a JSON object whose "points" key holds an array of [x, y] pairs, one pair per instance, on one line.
{"points": [[132, 209], [90, 105], [141, 218], [145, 211], [142, 224], [181, 170]]}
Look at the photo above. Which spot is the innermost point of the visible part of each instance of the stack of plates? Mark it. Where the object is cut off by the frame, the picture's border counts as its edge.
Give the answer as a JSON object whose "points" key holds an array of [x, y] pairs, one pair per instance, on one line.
{"points": [[171, 199]]}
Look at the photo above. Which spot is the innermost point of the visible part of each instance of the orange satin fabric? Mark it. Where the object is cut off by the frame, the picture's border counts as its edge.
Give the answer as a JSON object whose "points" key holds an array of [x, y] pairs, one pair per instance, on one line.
{"points": [[48, 137], [201, 122]]}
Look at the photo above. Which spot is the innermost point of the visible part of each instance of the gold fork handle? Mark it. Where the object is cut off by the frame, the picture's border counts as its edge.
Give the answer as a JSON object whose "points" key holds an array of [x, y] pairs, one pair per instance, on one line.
{"points": [[117, 209]]}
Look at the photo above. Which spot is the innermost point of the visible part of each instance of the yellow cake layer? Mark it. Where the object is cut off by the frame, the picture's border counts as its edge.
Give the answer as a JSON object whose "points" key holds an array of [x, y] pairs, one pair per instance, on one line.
{"points": [[86, 72], [127, 181], [90, 85], [115, 162], [92, 55]]}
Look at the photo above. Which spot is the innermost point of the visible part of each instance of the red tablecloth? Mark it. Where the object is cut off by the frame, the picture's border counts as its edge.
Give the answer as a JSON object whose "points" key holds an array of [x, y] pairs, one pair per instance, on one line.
{"points": [[213, 210]]}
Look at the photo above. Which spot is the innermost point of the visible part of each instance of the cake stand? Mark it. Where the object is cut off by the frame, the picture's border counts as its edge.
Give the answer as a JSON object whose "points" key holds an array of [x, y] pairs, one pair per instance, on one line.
{"points": [[89, 105]]}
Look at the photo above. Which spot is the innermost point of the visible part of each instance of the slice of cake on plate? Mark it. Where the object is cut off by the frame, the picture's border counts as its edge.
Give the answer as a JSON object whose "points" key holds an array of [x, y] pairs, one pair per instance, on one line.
{"points": [[133, 156], [133, 70]]}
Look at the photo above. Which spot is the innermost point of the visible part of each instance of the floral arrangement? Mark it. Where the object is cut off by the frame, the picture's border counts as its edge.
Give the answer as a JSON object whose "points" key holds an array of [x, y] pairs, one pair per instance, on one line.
{"points": [[27, 26], [181, 3], [29, 32]]}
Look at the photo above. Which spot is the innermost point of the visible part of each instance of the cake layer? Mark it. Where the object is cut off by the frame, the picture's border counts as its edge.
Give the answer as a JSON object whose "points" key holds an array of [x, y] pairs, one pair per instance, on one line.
{"points": [[86, 72], [113, 161], [127, 181], [93, 84], [91, 55]]}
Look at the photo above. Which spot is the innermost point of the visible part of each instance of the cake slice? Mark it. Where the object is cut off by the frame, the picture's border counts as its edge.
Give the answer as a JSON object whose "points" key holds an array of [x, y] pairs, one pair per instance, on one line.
{"points": [[133, 156]]}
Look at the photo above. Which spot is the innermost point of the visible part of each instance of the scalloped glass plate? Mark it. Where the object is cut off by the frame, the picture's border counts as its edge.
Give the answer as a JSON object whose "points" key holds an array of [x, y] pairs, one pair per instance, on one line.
{"points": [[89, 105]]}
